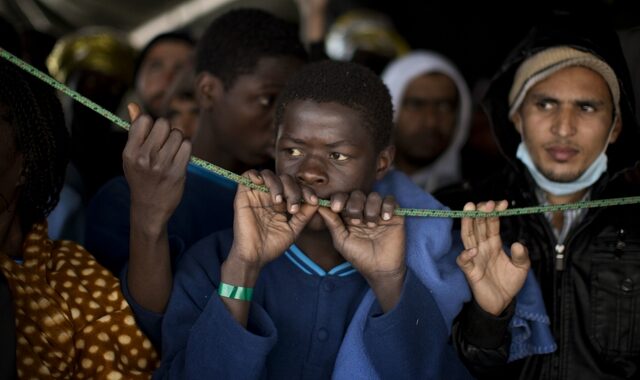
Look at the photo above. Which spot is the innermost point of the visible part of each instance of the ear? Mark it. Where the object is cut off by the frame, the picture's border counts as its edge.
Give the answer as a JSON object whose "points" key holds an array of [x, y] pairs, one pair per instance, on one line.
{"points": [[385, 160], [516, 119], [209, 89], [617, 128]]}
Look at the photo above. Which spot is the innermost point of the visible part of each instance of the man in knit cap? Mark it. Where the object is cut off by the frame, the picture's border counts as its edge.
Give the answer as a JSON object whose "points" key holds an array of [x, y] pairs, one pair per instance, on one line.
{"points": [[432, 110], [561, 110]]}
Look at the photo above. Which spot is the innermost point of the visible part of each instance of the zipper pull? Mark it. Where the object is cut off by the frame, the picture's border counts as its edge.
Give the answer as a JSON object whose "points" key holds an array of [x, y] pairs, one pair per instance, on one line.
{"points": [[560, 257]]}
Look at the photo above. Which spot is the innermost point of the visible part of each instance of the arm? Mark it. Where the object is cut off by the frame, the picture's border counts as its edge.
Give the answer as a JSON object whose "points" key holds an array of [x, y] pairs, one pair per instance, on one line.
{"points": [[412, 338], [200, 336], [155, 161], [480, 332], [265, 225], [372, 239]]}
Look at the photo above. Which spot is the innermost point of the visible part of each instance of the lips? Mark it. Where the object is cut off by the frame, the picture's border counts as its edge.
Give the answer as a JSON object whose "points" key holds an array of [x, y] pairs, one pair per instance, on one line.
{"points": [[562, 153]]}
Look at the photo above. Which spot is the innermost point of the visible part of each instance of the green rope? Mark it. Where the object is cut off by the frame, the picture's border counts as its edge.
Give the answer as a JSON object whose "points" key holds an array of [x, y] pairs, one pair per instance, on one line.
{"points": [[323, 202]]}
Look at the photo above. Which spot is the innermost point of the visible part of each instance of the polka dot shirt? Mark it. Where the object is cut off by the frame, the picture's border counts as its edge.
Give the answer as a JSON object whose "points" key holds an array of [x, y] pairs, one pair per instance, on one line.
{"points": [[71, 318]]}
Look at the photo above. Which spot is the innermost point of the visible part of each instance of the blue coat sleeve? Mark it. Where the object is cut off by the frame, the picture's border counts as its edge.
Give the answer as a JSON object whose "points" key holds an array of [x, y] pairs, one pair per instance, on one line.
{"points": [[107, 228], [200, 336], [412, 338], [149, 321]]}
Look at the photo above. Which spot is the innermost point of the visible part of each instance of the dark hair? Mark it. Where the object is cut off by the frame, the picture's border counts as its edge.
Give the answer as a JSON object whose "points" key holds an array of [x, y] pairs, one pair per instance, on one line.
{"points": [[233, 43], [177, 35], [349, 84], [34, 115]]}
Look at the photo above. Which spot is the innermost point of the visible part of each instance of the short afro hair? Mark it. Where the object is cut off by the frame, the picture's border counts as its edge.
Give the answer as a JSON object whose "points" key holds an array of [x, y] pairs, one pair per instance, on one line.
{"points": [[34, 116], [233, 43], [349, 84]]}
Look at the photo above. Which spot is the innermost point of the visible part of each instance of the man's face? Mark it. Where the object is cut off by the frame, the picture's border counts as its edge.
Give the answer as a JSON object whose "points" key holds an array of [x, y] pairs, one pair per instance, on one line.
{"points": [[565, 121], [158, 69], [243, 115], [325, 146], [426, 120]]}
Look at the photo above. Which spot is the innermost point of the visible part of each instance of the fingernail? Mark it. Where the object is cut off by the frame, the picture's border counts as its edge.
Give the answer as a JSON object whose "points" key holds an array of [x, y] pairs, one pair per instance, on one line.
{"points": [[294, 208], [371, 224], [386, 216], [355, 221], [278, 198]]}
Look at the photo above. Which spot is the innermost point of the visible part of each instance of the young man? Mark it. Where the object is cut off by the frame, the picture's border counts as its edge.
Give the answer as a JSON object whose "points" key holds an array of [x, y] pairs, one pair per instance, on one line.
{"points": [[562, 110], [432, 114], [301, 291], [243, 61]]}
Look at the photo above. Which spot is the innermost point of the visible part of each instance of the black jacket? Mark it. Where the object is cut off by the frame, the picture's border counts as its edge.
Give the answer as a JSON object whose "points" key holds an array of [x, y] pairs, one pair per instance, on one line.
{"points": [[593, 295]]}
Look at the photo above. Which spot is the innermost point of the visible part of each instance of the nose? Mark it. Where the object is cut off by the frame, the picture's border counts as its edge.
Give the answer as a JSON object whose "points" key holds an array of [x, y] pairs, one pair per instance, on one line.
{"points": [[312, 171], [564, 125]]}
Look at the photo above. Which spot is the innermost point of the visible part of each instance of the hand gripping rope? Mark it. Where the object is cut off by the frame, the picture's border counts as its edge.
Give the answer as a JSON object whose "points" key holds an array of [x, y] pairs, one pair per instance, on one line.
{"points": [[323, 202]]}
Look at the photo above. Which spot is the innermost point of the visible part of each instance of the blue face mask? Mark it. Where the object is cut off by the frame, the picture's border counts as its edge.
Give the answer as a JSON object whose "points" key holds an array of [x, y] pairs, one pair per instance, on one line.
{"points": [[588, 178]]}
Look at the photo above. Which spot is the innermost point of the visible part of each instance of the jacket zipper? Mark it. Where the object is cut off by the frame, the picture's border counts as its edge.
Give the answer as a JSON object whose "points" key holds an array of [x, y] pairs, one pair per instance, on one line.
{"points": [[560, 283]]}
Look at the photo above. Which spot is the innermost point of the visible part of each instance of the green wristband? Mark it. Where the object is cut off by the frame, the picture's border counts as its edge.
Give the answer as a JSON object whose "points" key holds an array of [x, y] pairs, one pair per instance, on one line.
{"points": [[235, 292]]}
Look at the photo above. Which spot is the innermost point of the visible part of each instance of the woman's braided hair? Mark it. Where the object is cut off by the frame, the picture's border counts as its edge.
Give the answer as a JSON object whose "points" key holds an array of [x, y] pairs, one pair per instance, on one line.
{"points": [[34, 114]]}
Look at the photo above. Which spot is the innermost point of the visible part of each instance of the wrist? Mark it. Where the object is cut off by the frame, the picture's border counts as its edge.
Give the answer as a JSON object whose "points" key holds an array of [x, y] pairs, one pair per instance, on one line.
{"points": [[238, 272], [388, 287], [150, 224]]}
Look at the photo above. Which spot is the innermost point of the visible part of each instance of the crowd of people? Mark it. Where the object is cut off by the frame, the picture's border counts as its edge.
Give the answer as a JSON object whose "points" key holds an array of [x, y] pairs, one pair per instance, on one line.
{"points": [[121, 260]]}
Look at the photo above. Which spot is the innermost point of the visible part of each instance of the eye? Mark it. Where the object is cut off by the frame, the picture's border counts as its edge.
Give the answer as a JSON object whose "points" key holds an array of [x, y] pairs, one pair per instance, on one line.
{"points": [[294, 152], [587, 108], [544, 105], [338, 156], [266, 100]]}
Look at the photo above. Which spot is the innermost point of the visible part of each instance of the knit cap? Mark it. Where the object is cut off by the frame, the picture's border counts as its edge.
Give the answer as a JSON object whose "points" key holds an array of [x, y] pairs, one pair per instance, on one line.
{"points": [[541, 65]]}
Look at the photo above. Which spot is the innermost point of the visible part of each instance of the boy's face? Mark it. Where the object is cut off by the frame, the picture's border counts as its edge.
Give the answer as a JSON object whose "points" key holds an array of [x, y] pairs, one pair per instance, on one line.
{"points": [[325, 146], [244, 113]]}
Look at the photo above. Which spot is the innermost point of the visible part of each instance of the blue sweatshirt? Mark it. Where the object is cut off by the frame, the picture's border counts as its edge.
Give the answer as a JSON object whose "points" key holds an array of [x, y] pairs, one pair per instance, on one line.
{"points": [[297, 322]]}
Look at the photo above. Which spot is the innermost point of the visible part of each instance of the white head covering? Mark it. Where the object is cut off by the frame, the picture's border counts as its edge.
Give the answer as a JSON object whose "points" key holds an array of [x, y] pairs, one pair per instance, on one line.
{"points": [[445, 170]]}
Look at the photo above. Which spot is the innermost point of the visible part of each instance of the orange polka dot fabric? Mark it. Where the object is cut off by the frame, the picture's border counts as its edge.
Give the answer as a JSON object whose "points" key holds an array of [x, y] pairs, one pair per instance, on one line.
{"points": [[72, 321]]}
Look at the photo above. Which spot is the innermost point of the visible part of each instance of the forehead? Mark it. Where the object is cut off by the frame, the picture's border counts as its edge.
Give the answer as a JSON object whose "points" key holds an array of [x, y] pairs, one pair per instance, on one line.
{"points": [[432, 84], [328, 121], [168, 49], [268, 71], [573, 82]]}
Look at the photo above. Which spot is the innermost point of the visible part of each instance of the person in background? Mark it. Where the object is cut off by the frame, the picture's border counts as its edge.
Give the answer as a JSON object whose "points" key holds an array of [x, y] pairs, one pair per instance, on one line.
{"points": [[97, 63], [180, 106], [432, 108], [157, 66], [70, 319], [561, 109]]}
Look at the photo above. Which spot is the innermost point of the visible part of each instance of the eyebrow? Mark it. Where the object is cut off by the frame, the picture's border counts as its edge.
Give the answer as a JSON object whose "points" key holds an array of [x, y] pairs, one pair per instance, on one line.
{"points": [[543, 96], [334, 144]]}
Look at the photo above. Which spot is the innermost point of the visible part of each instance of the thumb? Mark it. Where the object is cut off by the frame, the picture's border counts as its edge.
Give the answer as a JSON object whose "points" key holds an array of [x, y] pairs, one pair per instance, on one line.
{"points": [[134, 111], [520, 255], [333, 221], [300, 219]]}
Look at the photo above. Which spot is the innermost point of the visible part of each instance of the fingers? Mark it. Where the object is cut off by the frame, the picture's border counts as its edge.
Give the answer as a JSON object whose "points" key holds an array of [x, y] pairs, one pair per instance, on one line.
{"points": [[493, 224], [520, 255], [134, 111], [480, 224], [465, 259], [285, 190], [467, 230], [357, 207]]}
